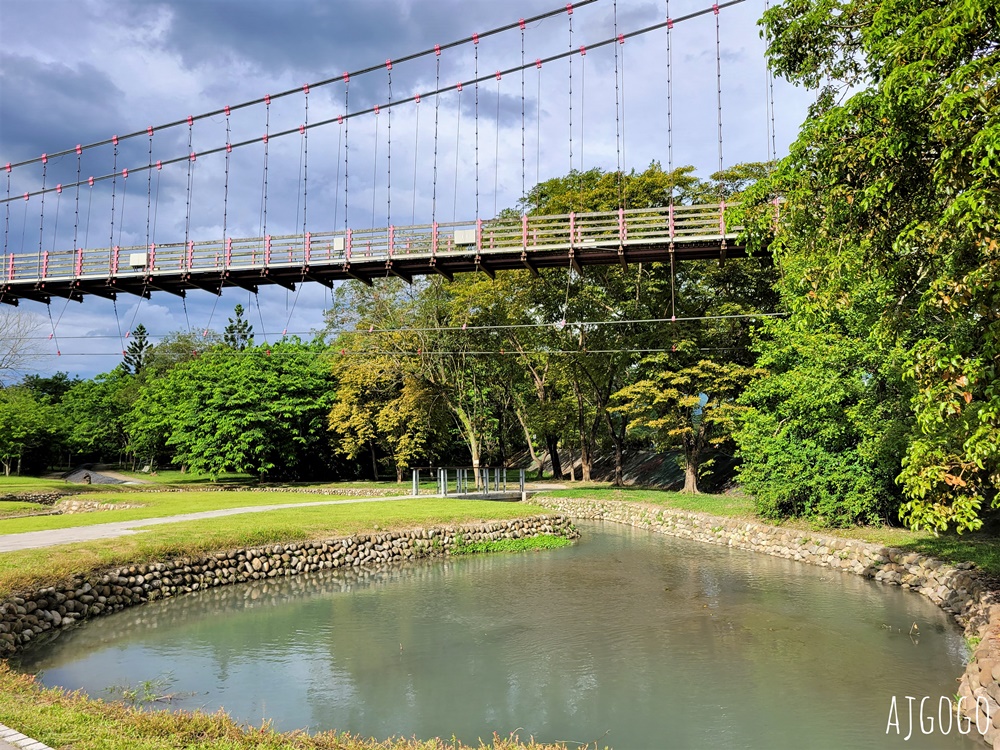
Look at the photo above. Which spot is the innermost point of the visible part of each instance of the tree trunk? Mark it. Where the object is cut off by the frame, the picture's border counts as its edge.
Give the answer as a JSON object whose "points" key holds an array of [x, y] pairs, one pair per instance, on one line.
{"points": [[399, 474], [692, 460], [552, 443], [572, 461], [531, 446], [371, 449]]}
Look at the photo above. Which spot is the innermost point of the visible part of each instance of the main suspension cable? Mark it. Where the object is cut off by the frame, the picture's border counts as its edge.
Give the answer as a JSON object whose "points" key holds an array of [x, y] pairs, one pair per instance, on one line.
{"points": [[620, 39], [325, 82]]}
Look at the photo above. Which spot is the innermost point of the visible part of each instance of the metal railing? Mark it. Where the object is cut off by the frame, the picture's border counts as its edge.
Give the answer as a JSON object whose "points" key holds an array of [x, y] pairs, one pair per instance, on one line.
{"points": [[485, 480], [620, 229]]}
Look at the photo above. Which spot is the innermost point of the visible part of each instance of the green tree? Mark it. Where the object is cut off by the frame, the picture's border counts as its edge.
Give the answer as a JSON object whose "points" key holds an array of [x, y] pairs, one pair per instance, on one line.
{"points": [[383, 405], [138, 351], [27, 424], [261, 411], [888, 231], [684, 401], [822, 435], [239, 332], [95, 413]]}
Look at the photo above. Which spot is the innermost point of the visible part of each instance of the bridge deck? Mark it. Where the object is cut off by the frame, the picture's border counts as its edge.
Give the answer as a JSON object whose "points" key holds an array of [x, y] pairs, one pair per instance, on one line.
{"points": [[528, 242]]}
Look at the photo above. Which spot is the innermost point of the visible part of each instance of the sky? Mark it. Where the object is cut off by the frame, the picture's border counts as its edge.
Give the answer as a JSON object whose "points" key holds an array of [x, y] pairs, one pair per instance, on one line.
{"points": [[80, 71]]}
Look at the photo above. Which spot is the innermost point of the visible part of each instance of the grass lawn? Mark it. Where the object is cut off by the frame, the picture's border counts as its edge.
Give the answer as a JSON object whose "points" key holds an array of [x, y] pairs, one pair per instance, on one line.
{"points": [[72, 720], [20, 485], [981, 548], [35, 568]]}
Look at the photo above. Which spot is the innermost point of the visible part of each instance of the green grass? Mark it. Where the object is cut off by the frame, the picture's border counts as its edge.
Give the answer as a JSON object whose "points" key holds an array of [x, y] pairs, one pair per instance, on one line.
{"points": [[161, 504], [14, 508], [65, 720], [21, 485], [982, 549], [27, 570], [524, 544]]}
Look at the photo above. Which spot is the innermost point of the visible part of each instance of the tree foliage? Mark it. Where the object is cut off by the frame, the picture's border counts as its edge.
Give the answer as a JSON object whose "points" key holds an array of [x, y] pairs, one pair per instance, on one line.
{"points": [[261, 411], [889, 228]]}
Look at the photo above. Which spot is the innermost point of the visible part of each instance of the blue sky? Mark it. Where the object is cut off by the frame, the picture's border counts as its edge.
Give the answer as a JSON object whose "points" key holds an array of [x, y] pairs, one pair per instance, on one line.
{"points": [[80, 71]]}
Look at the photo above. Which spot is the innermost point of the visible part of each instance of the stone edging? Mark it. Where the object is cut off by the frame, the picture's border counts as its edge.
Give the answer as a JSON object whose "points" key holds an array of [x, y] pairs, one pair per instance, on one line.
{"points": [[13, 738], [25, 618], [954, 588]]}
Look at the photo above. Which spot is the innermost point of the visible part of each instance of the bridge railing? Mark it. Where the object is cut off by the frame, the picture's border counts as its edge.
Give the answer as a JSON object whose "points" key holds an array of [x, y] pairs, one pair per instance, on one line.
{"points": [[602, 229]]}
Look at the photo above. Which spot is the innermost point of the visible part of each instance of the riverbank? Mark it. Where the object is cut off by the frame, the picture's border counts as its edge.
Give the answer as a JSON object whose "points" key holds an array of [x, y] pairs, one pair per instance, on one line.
{"points": [[62, 720], [957, 589]]}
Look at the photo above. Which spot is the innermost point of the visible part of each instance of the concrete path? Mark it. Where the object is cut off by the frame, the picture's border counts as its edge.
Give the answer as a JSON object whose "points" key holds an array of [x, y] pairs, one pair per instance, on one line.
{"points": [[13, 740], [52, 537]]}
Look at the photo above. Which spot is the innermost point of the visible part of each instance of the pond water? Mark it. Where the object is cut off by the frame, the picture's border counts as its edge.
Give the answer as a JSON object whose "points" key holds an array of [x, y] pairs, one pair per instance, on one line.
{"points": [[634, 639]]}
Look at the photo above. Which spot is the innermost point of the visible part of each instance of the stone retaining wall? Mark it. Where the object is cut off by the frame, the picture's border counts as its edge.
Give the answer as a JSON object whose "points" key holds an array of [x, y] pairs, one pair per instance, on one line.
{"points": [[23, 619], [69, 507], [954, 588], [44, 498]]}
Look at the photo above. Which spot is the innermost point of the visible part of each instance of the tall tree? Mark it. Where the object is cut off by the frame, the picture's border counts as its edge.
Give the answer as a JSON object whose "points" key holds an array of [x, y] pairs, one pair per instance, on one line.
{"points": [[138, 350], [238, 333], [27, 424], [889, 227]]}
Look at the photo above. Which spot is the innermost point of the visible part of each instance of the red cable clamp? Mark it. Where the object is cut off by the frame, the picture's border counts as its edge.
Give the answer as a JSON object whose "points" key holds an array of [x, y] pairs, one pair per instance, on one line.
{"points": [[538, 63], [45, 158], [226, 110], [265, 137], [267, 99], [26, 196], [305, 89], [194, 156], [125, 173], [670, 23], [569, 9], [340, 119], [388, 64], [229, 148], [159, 165], [437, 50], [417, 98], [521, 24], [59, 188], [459, 85], [347, 77], [621, 39], [498, 75], [302, 129], [190, 120], [715, 8], [376, 109], [475, 38], [149, 130], [8, 164], [583, 50], [114, 139], [79, 150], [90, 181]]}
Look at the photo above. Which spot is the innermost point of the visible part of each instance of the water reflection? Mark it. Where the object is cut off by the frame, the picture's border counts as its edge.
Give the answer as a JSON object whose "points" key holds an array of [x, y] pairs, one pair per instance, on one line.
{"points": [[649, 640]]}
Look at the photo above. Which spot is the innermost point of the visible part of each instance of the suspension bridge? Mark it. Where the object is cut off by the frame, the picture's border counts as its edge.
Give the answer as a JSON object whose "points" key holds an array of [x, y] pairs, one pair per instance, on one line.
{"points": [[59, 266]]}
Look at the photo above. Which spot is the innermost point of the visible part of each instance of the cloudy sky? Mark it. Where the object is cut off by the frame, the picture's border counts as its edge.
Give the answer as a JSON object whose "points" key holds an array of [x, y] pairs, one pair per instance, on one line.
{"points": [[79, 71]]}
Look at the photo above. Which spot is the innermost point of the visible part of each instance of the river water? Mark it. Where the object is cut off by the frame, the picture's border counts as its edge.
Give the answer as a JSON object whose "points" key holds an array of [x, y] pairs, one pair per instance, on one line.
{"points": [[634, 639]]}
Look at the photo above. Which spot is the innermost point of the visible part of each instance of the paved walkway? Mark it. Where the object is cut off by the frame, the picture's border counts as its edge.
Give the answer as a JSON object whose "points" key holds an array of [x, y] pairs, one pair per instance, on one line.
{"points": [[52, 537], [13, 740]]}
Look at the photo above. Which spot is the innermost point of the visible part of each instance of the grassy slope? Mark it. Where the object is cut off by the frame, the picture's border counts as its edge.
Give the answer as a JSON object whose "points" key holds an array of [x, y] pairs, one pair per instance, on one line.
{"points": [[31, 569], [73, 721], [982, 549]]}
